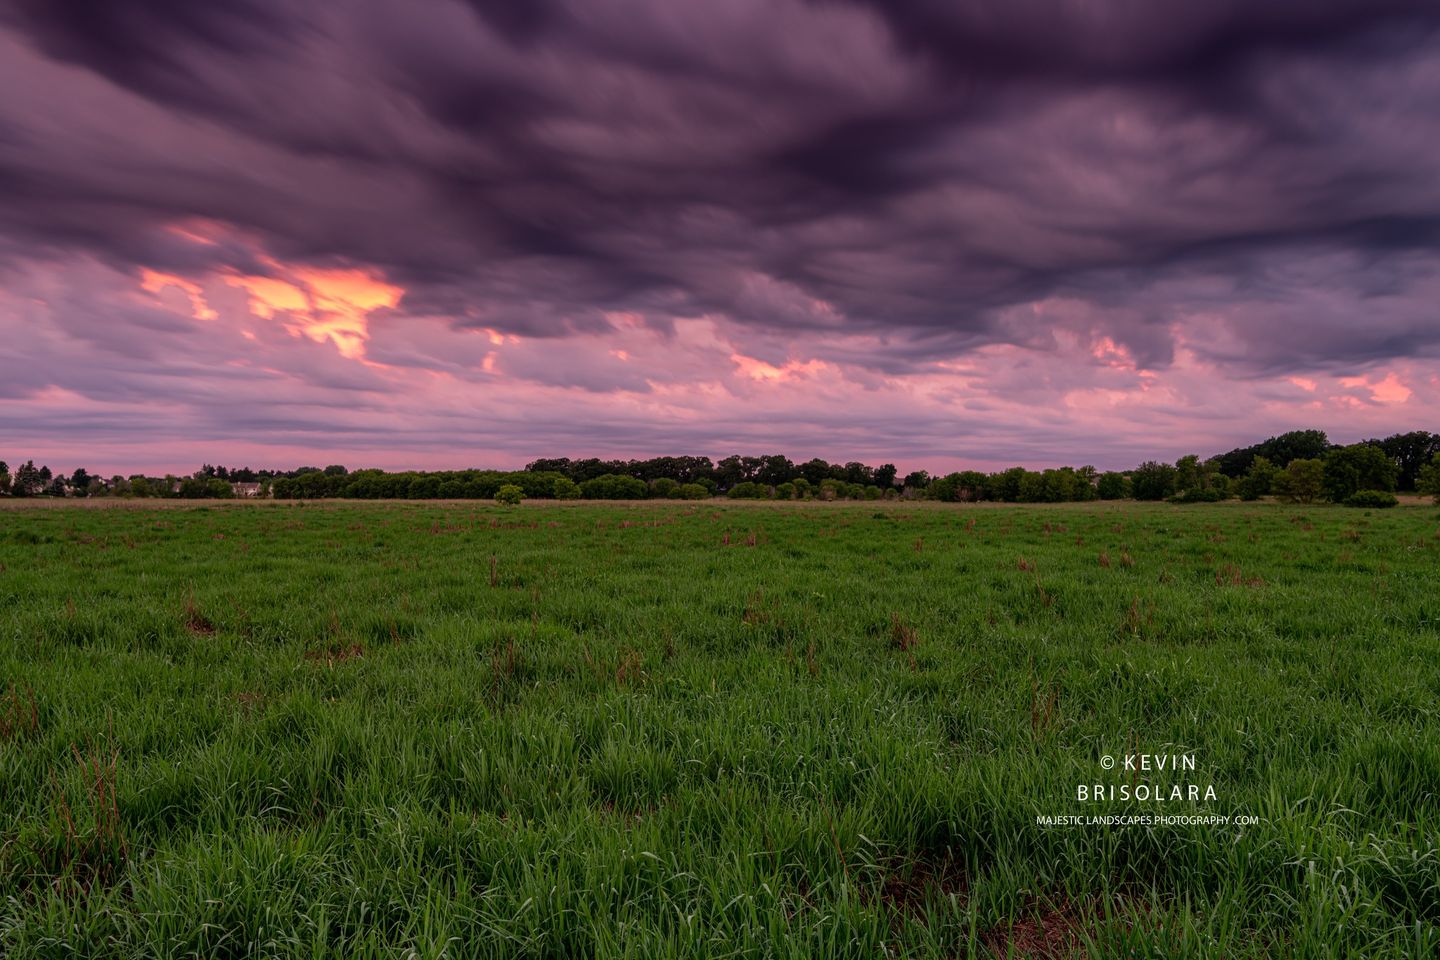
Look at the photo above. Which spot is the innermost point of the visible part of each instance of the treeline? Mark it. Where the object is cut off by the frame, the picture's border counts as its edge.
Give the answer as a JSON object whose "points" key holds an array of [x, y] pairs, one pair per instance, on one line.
{"points": [[209, 482], [1302, 466]]}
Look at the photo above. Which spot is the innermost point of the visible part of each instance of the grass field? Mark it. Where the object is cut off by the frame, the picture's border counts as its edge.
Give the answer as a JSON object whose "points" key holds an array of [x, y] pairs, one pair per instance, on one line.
{"points": [[715, 730]]}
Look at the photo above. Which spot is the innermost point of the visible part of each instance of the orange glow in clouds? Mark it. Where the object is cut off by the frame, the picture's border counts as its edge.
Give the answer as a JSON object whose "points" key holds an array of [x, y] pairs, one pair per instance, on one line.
{"points": [[760, 370], [152, 281], [1388, 390], [321, 304]]}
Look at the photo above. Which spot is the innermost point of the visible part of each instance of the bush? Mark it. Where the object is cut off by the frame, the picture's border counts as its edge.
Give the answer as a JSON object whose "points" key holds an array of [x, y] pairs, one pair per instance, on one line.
{"points": [[663, 488], [694, 491], [614, 486], [566, 489], [1377, 499], [785, 491], [749, 491], [509, 495], [1199, 495]]}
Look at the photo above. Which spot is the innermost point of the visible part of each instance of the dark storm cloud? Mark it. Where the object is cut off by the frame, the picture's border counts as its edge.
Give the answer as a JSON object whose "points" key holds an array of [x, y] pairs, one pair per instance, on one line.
{"points": [[912, 170], [1130, 39]]}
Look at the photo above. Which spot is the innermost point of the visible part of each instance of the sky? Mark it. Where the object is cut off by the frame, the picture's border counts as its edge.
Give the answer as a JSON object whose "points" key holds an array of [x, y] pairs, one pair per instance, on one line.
{"points": [[939, 233]]}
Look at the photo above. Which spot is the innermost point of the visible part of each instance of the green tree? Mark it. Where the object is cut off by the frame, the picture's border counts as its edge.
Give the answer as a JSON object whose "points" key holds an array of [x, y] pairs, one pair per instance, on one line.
{"points": [[1152, 481], [917, 480], [1188, 474], [509, 495], [663, 488], [1005, 485], [815, 471], [1258, 479], [1427, 478], [1302, 481], [28, 481], [694, 491], [970, 485], [566, 489], [1032, 487], [773, 469], [940, 488], [1111, 486], [1359, 466], [1411, 452]]}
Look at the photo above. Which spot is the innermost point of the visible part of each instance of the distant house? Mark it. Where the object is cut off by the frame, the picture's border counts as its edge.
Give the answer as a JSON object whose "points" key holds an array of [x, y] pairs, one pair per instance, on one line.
{"points": [[246, 489]]}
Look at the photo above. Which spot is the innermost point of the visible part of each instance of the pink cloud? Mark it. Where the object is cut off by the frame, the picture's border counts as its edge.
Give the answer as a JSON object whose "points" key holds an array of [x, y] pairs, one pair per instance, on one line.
{"points": [[156, 370]]}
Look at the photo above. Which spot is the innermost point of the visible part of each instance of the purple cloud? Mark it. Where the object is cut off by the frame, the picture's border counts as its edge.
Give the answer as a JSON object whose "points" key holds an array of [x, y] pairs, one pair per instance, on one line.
{"points": [[1048, 231]]}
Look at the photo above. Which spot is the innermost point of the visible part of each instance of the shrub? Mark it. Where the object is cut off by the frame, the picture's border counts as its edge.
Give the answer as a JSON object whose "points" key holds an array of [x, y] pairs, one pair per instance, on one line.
{"points": [[785, 491], [1199, 495], [509, 495], [1378, 499], [694, 491], [749, 491], [566, 489], [663, 487], [614, 486]]}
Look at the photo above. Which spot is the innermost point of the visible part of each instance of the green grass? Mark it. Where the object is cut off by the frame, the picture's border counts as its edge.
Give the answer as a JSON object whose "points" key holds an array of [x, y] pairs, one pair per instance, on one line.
{"points": [[715, 730]]}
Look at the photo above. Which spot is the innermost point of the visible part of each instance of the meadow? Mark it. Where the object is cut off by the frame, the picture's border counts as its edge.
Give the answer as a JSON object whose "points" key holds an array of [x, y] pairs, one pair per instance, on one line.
{"points": [[717, 730]]}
